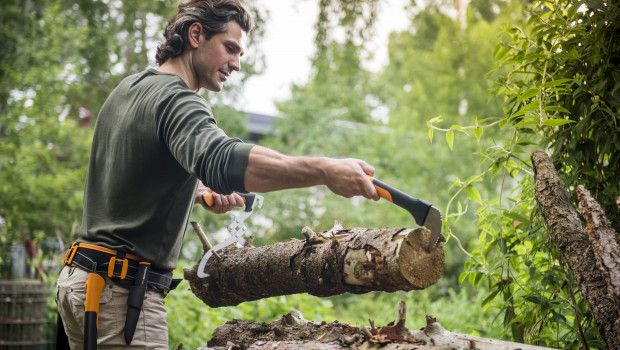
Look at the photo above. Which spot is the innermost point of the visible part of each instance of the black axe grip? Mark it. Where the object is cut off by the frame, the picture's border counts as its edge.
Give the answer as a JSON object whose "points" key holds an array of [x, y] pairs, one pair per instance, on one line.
{"points": [[418, 208]]}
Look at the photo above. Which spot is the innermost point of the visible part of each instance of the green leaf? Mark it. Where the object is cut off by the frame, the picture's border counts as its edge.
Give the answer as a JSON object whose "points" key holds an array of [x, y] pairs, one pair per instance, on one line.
{"points": [[478, 132], [534, 299], [450, 138], [557, 122], [518, 113], [532, 20], [557, 23], [430, 134], [573, 9], [555, 83], [556, 109], [478, 279], [516, 217], [437, 119], [595, 4], [523, 110], [462, 277], [473, 194], [529, 93], [526, 123], [490, 297], [502, 52]]}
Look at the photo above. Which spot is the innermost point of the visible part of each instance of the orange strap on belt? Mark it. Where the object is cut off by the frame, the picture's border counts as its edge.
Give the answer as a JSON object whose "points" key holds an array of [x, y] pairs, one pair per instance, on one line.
{"points": [[71, 252], [117, 260]]}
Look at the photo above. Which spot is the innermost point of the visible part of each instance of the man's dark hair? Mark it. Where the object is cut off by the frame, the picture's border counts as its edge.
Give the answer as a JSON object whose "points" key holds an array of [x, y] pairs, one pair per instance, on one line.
{"points": [[213, 15]]}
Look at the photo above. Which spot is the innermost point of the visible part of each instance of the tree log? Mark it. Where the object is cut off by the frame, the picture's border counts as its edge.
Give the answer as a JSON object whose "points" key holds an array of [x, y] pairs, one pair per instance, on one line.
{"points": [[293, 332], [567, 232], [357, 260]]}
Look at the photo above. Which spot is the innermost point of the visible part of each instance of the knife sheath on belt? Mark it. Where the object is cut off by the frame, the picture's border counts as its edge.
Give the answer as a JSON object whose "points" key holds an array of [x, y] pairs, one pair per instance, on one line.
{"points": [[135, 300]]}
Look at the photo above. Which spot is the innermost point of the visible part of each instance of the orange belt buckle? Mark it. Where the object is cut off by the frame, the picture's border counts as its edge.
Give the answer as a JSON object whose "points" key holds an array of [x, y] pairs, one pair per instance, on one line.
{"points": [[70, 254], [112, 267]]}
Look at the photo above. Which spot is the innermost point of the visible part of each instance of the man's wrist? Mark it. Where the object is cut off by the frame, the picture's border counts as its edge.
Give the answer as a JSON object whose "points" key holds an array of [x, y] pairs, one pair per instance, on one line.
{"points": [[319, 167]]}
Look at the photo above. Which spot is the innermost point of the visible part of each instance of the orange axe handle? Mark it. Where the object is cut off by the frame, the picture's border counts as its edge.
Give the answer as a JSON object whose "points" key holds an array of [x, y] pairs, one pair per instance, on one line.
{"points": [[248, 198], [94, 287]]}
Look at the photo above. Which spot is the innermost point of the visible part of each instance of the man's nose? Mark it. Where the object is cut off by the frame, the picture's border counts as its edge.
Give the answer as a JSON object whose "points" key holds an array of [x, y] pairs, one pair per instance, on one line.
{"points": [[235, 63]]}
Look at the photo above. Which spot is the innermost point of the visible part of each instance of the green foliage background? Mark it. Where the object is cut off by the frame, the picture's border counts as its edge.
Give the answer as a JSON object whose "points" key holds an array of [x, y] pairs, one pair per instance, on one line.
{"points": [[452, 119]]}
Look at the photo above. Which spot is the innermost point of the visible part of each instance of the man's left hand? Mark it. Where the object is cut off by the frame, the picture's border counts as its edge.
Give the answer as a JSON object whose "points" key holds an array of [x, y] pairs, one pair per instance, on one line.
{"points": [[221, 203]]}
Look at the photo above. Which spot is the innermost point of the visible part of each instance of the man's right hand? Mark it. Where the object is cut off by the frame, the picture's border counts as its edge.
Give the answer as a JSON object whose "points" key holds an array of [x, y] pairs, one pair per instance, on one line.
{"points": [[349, 177]]}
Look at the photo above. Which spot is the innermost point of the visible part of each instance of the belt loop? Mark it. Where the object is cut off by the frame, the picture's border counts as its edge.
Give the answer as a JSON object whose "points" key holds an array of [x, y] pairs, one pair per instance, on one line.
{"points": [[70, 254], [124, 264]]}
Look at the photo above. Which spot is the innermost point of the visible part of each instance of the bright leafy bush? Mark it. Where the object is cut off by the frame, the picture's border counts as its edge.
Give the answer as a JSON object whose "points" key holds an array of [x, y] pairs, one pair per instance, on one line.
{"points": [[561, 82]]}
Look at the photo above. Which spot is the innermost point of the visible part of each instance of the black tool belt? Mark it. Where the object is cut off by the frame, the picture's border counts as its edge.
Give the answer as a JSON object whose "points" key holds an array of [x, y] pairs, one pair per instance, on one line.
{"points": [[120, 267]]}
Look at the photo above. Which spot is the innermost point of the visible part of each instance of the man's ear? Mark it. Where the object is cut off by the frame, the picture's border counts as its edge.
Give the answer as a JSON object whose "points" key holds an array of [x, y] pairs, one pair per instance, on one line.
{"points": [[193, 34]]}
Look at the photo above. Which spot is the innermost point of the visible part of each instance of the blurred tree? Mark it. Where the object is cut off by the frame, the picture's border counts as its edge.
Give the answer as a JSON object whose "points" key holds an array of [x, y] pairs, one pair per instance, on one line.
{"points": [[44, 149], [325, 116], [59, 62]]}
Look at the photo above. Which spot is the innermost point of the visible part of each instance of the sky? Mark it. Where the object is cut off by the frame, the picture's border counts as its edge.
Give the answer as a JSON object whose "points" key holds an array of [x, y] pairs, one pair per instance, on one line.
{"points": [[288, 46]]}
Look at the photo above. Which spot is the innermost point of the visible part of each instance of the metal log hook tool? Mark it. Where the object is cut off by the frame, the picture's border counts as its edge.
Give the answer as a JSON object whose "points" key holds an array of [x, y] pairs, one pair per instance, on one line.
{"points": [[236, 228]]}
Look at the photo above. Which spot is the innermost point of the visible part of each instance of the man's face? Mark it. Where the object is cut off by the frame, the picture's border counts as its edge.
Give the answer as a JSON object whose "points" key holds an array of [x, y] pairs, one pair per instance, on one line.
{"points": [[216, 58]]}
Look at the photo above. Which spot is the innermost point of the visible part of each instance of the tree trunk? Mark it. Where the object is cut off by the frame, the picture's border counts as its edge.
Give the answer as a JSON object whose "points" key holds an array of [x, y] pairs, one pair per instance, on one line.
{"points": [[567, 232], [357, 260], [605, 245]]}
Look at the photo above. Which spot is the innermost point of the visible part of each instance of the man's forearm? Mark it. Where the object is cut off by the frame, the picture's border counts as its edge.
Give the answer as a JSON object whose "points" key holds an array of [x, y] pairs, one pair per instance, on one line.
{"points": [[269, 170]]}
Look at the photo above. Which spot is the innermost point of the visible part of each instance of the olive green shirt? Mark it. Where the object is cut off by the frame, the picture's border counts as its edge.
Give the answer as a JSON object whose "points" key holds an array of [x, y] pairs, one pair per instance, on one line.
{"points": [[154, 138]]}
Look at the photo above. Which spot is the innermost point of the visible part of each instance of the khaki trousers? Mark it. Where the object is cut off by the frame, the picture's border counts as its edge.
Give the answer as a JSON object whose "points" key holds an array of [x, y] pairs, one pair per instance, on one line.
{"points": [[151, 331]]}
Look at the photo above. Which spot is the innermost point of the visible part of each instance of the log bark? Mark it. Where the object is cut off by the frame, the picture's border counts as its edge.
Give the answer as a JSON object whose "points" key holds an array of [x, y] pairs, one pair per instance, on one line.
{"points": [[293, 332], [567, 232], [356, 260]]}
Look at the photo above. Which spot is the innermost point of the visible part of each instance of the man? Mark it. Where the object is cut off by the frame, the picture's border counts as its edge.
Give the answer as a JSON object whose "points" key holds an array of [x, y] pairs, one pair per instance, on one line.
{"points": [[155, 141]]}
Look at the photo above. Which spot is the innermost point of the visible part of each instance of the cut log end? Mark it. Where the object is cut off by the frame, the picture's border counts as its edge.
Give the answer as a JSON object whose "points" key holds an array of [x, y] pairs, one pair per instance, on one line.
{"points": [[417, 265]]}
